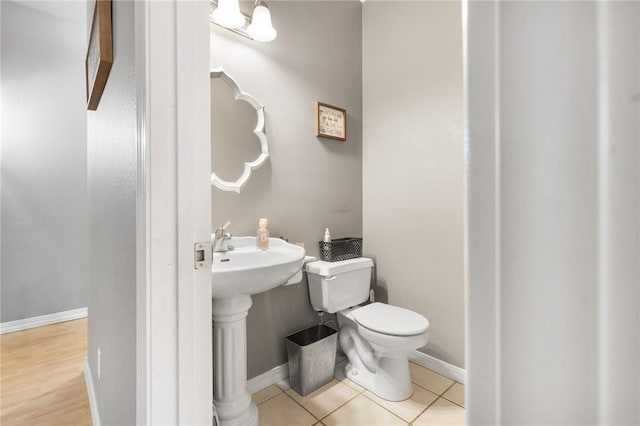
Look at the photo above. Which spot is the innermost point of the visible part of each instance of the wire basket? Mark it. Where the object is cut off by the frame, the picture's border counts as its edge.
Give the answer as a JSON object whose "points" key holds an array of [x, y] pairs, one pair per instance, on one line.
{"points": [[340, 249]]}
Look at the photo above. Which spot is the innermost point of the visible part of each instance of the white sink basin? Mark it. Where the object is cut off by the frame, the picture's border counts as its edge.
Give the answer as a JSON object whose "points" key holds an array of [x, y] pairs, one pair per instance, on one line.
{"points": [[247, 270]]}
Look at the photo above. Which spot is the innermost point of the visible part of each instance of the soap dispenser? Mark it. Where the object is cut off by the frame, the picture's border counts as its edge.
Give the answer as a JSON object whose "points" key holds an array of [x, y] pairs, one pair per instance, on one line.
{"points": [[262, 235], [325, 246], [327, 235]]}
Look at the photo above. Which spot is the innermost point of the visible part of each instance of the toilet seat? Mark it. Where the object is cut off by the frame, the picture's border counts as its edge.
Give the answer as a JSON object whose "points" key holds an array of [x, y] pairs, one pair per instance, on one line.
{"points": [[390, 320]]}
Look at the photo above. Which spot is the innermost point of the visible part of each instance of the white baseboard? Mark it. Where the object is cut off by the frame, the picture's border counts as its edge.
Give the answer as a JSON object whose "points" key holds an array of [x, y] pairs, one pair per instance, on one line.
{"points": [[23, 324], [268, 378], [441, 367], [281, 372], [91, 393]]}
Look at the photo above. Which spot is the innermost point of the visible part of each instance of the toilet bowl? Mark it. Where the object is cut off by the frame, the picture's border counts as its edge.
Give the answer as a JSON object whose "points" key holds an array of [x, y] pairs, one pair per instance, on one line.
{"points": [[376, 338]]}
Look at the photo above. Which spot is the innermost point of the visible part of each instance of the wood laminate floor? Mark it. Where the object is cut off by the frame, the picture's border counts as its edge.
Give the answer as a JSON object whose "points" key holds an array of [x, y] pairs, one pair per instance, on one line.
{"points": [[41, 376]]}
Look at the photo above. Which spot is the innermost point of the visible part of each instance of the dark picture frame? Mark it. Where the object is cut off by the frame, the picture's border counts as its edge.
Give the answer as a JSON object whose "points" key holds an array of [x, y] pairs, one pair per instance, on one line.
{"points": [[331, 122], [99, 53]]}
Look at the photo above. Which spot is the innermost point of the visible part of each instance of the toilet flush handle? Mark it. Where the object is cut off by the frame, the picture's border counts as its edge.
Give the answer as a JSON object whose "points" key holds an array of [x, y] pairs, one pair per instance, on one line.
{"points": [[331, 278]]}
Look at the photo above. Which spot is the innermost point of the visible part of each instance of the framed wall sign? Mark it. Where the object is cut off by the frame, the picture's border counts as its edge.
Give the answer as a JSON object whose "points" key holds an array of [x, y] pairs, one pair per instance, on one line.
{"points": [[331, 122], [99, 53]]}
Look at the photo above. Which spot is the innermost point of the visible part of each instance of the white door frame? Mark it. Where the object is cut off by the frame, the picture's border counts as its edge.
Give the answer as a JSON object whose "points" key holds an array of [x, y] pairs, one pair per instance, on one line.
{"points": [[482, 211], [490, 215], [174, 360]]}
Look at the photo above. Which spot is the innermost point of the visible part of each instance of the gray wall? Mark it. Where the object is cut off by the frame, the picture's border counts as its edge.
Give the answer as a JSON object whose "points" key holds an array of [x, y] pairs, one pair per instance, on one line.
{"points": [[310, 183], [112, 208], [44, 175], [413, 163]]}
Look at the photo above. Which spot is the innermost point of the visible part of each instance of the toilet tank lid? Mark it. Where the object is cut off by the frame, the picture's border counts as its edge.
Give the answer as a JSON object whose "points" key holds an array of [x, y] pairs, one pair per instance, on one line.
{"points": [[327, 269]]}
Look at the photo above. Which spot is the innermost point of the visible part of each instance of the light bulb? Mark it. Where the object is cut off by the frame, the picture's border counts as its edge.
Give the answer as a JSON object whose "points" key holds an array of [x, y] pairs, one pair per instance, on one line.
{"points": [[261, 28], [228, 15]]}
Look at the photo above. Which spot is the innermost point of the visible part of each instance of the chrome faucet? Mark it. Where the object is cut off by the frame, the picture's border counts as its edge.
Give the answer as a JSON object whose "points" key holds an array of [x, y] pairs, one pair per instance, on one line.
{"points": [[221, 239]]}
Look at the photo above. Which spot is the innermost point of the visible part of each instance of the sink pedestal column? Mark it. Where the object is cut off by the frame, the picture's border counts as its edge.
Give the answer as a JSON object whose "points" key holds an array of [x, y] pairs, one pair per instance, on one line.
{"points": [[230, 396]]}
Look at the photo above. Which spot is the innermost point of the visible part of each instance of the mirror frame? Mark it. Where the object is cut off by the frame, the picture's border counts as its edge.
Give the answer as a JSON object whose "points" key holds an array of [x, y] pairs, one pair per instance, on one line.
{"points": [[250, 166]]}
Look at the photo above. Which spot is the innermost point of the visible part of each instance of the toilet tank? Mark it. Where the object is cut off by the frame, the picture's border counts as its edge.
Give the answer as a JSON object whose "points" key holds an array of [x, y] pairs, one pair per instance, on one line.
{"points": [[334, 286]]}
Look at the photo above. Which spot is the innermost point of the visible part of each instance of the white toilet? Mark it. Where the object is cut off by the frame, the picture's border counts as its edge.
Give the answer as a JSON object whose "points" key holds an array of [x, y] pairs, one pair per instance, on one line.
{"points": [[377, 338]]}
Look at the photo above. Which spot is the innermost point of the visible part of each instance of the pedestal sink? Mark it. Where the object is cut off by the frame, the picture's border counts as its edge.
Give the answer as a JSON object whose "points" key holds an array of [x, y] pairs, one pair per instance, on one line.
{"points": [[236, 275]]}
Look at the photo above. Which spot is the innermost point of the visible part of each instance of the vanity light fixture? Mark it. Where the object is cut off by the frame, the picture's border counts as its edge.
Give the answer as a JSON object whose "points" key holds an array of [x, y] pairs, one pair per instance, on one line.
{"points": [[258, 27], [228, 15], [261, 28]]}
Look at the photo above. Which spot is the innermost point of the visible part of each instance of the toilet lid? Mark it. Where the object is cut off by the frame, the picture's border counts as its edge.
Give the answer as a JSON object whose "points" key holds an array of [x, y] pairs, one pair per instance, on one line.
{"points": [[391, 320]]}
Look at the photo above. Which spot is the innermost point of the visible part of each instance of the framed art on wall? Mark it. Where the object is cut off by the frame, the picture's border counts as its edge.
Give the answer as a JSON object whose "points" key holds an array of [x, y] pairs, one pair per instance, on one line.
{"points": [[99, 53], [331, 122]]}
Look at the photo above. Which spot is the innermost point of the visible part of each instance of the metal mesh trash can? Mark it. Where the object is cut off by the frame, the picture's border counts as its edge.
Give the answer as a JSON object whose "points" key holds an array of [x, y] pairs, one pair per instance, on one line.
{"points": [[312, 358]]}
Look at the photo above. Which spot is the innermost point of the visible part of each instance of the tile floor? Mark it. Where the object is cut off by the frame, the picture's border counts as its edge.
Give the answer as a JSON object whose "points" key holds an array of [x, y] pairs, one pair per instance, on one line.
{"points": [[436, 400]]}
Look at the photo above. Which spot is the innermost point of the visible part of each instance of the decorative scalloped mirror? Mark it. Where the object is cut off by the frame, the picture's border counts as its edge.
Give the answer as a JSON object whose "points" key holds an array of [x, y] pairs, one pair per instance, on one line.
{"points": [[234, 129]]}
